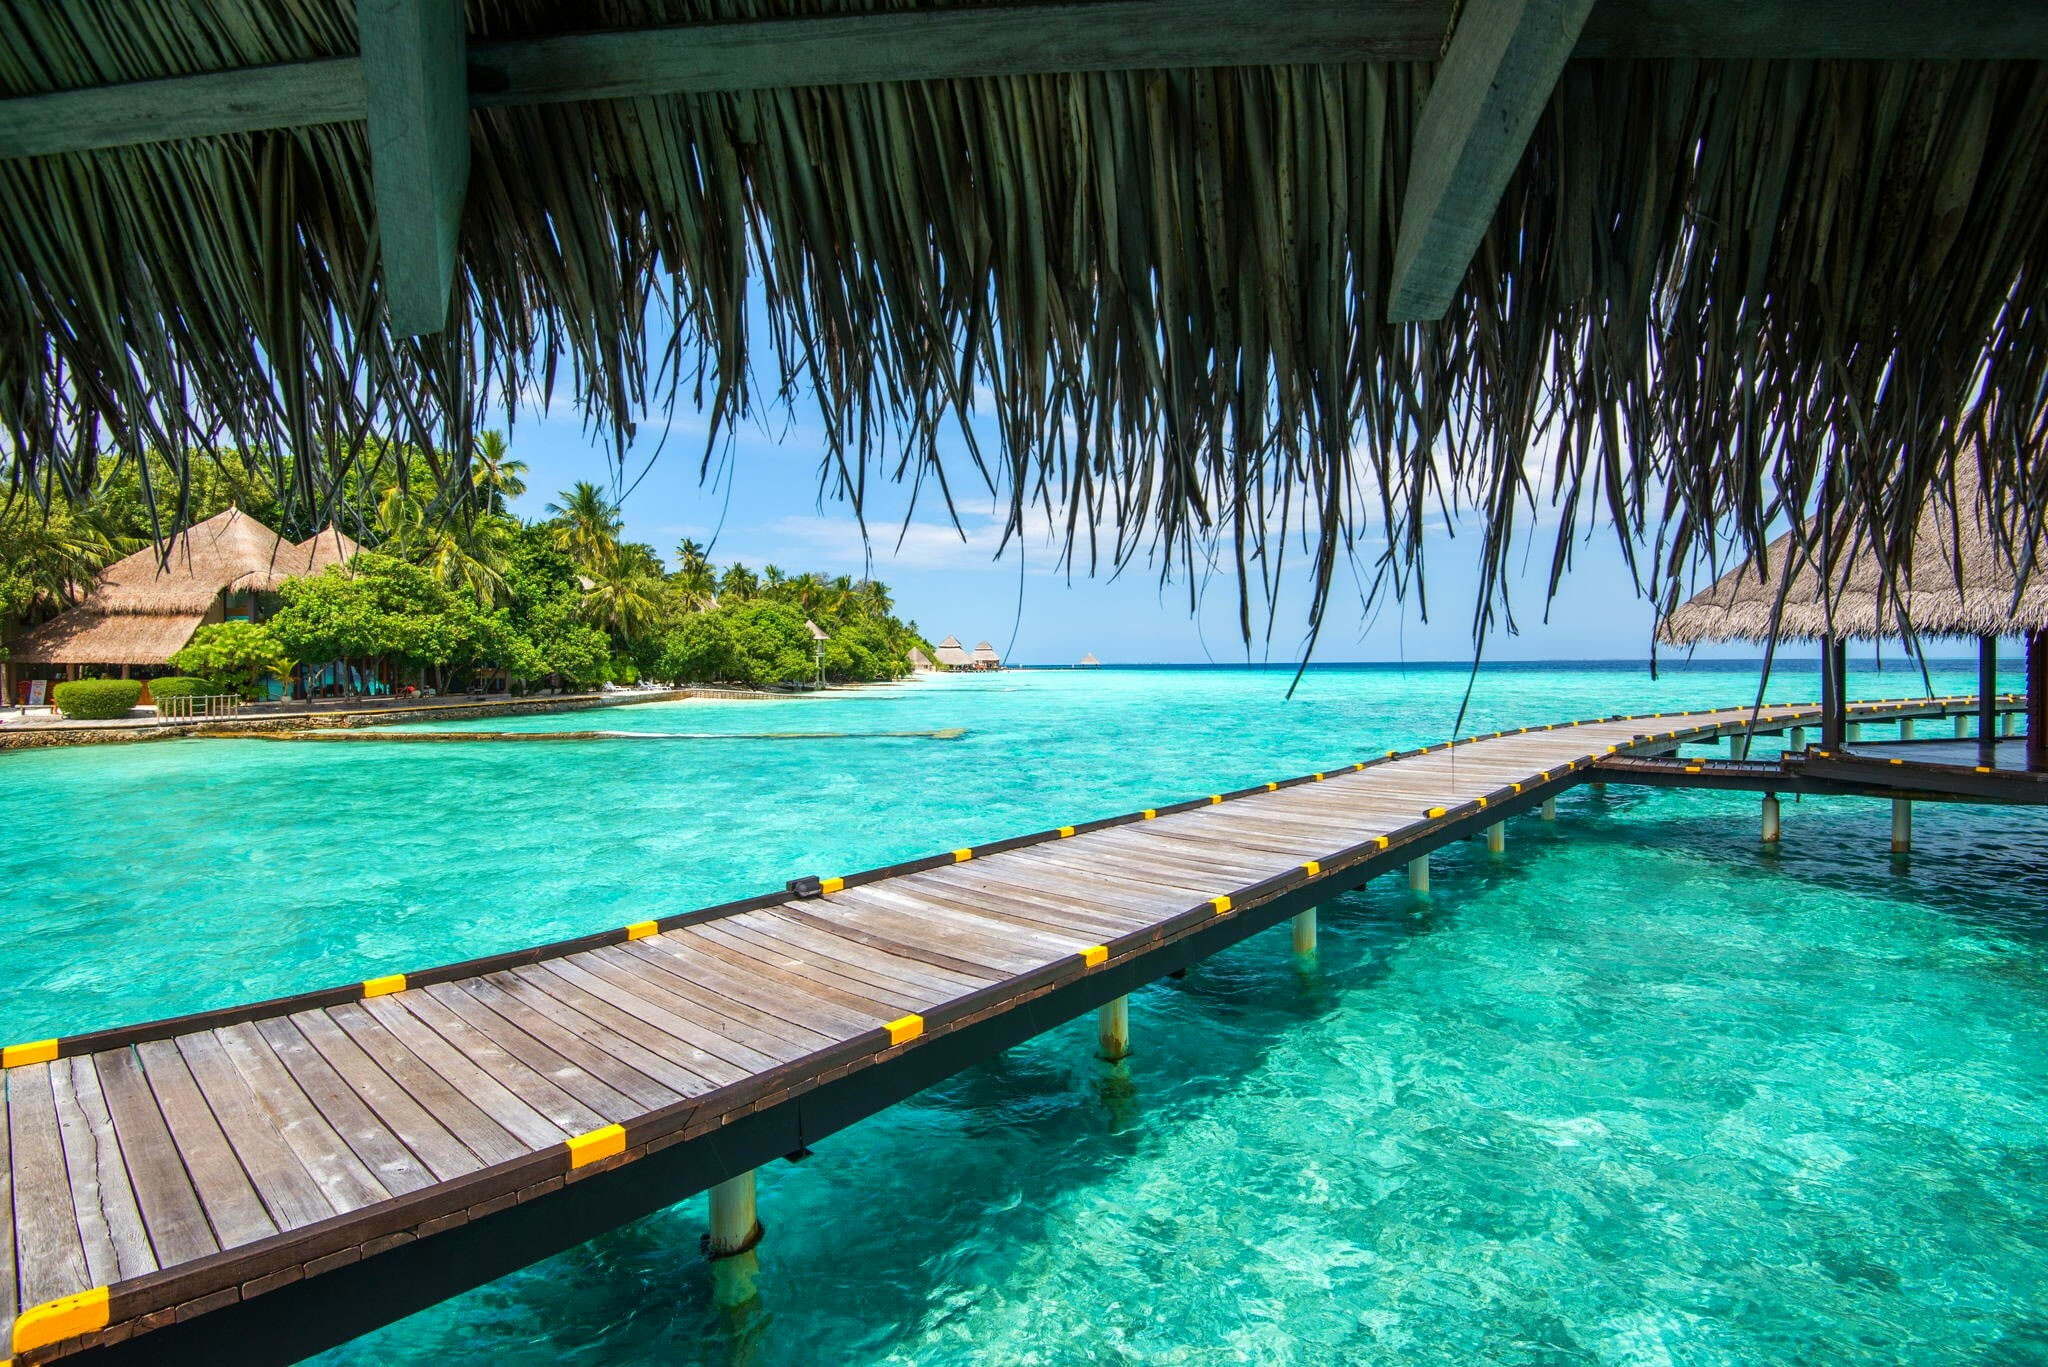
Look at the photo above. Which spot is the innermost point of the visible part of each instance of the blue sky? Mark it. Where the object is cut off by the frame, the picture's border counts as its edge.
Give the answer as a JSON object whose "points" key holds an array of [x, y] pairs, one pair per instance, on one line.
{"points": [[765, 507]]}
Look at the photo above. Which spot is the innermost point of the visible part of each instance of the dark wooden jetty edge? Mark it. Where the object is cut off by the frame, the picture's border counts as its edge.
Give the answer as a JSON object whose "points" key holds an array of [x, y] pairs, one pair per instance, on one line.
{"points": [[258, 1182]]}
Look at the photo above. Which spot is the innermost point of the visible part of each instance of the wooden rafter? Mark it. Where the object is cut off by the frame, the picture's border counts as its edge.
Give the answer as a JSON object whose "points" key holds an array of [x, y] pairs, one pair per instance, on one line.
{"points": [[417, 87], [1495, 82], [1002, 41]]}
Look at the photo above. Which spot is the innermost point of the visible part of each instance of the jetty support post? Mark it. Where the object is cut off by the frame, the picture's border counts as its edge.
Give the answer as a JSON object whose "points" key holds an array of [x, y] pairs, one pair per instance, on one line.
{"points": [[1113, 1029], [1305, 933], [1834, 659], [735, 1230], [1418, 873], [1962, 725], [1497, 837], [1987, 699], [1771, 826], [1905, 728], [2037, 700], [1796, 742], [1902, 825], [1548, 812]]}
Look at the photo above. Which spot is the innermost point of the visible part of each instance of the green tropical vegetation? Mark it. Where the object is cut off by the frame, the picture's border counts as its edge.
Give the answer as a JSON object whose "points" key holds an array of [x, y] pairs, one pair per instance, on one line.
{"points": [[97, 699], [456, 591]]}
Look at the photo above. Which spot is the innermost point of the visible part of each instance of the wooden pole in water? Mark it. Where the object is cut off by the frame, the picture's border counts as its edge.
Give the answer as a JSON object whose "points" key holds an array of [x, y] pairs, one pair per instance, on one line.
{"points": [[1549, 812], [1902, 825], [1418, 873], [1305, 932], [735, 1225], [1113, 1029], [1770, 818], [1987, 699], [1834, 657], [2037, 700], [1497, 837]]}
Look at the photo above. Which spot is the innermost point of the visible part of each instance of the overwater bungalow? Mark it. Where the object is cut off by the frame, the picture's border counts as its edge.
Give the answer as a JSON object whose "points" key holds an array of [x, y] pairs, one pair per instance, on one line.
{"points": [[1958, 582], [1089, 659], [985, 656], [953, 655], [143, 609]]}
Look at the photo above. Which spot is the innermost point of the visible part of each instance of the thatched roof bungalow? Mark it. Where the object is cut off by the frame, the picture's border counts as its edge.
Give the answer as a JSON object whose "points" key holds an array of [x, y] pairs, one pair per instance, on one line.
{"points": [[144, 608], [985, 656], [1290, 254], [952, 655], [1959, 581], [921, 662]]}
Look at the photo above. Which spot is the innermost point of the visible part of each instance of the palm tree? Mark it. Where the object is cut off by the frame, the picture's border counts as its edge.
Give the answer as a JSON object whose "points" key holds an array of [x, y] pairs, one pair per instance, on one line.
{"points": [[462, 549], [622, 594], [738, 582], [587, 524], [693, 577], [497, 476]]}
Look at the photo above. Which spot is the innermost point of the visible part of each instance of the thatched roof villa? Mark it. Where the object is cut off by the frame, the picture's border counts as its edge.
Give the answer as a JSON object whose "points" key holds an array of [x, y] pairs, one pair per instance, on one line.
{"points": [[1959, 581], [144, 608], [953, 655], [1382, 246], [985, 656]]}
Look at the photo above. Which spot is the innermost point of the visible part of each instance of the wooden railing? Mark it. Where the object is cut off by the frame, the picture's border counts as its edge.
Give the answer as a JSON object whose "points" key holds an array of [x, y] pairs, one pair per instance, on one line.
{"points": [[198, 705]]}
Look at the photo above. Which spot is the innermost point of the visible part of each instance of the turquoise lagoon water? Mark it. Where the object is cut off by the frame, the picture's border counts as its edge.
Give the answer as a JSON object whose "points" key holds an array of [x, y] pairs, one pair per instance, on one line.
{"points": [[1637, 1092]]}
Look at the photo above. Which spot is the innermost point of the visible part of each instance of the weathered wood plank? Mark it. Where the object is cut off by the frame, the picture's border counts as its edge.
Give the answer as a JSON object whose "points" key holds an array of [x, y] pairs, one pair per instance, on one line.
{"points": [[761, 1030], [508, 1090], [232, 1205], [793, 975], [46, 1235], [289, 1192], [636, 1070], [109, 1222], [913, 974], [171, 1210], [689, 1020], [567, 1073], [479, 1132], [871, 988], [404, 1146], [417, 91], [342, 1174]]}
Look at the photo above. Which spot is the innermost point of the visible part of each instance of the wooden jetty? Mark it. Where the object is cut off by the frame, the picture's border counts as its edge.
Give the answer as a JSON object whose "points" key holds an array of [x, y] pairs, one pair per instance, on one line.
{"points": [[259, 1182]]}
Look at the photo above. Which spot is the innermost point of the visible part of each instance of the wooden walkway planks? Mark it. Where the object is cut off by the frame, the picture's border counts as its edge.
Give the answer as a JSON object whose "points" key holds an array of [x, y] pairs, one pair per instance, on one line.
{"points": [[129, 1158]]}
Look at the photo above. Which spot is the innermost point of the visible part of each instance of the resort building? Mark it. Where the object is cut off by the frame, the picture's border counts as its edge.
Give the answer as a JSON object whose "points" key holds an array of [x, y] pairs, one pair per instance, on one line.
{"points": [[953, 655], [920, 661], [1089, 659], [144, 609], [985, 656]]}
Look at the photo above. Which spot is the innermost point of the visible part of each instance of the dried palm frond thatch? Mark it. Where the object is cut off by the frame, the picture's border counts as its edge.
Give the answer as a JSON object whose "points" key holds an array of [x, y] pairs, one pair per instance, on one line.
{"points": [[1716, 293], [1958, 582]]}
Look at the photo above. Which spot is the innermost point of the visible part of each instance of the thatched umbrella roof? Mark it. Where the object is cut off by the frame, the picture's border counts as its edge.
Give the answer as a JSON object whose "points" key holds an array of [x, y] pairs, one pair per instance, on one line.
{"points": [[1958, 582], [1158, 243], [145, 607]]}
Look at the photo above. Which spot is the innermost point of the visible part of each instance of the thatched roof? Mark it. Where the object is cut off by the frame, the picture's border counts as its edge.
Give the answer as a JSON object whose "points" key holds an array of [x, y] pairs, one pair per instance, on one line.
{"points": [[1158, 244], [985, 654], [919, 660], [145, 607], [1089, 659], [1958, 582], [952, 655]]}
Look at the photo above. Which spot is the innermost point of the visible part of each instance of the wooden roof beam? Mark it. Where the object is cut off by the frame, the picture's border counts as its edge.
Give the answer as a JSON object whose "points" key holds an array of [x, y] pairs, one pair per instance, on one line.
{"points": [[416, 85], [1493, 84]]}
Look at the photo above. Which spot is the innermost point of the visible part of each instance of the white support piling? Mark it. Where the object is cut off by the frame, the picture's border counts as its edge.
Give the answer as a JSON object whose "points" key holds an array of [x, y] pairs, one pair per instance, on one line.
{"points": [[1852, 732], [1305, 933], [1771, 818], [1902, 825], [735, 1222], [1905, 728], [2005, 723], [1797, 741], [1962, 725], [1549, 811], [1738, 745], [1497, 837], [1418, 873], [1113, 1029]]}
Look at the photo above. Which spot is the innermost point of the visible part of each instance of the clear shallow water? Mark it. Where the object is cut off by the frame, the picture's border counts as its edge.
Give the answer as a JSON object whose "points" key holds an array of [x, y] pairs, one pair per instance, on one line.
{"points": [[1635, 1093]]}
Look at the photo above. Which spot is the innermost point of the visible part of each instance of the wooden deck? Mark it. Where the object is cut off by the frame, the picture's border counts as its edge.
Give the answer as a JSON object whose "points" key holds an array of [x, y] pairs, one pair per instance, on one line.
{"points": [[231, 1182]]}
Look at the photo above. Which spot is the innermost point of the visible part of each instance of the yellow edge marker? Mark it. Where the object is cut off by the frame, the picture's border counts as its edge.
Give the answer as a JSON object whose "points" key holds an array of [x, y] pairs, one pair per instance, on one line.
{"points": [[384, 986], [1094, 955], [1272, 787], [1435, 812], [1359, 765], [36, 1051], [904, 1029], [1215, 798], [1319, 778], [1066, 831], [962, 856], [67, 1317], [1151, 812], [1482, 802], [1222, 904], [1982, 769], [1518, 787], [1382, 839], [641, 930], [1312, 868], [1692, 768], [585, 1149], [831, 884]]}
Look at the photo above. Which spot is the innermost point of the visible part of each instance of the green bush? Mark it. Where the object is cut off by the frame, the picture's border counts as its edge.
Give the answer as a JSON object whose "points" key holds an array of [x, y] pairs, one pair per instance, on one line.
{"points": [[97, 699], [183, 686]]}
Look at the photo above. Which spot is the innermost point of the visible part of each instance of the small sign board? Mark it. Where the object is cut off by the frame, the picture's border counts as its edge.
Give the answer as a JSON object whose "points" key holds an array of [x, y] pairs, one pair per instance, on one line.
{"points": [[38, 692]]}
